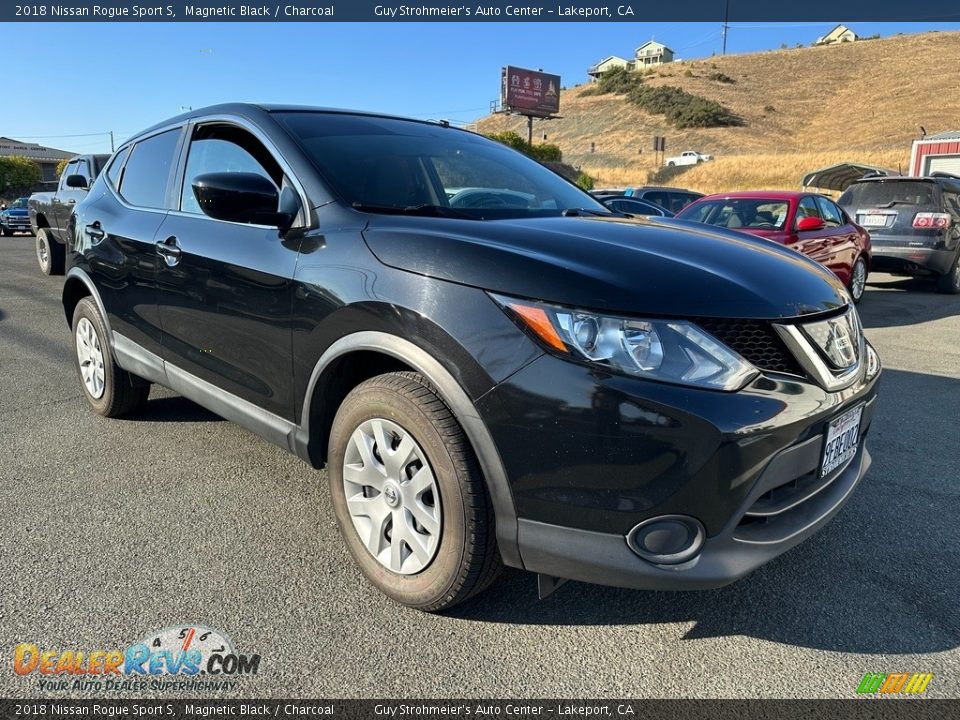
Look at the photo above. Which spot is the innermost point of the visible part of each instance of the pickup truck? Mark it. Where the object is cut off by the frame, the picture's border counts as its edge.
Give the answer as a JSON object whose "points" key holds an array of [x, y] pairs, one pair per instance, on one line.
{"points": [[688, 157], [14, 219], [50, 211]]}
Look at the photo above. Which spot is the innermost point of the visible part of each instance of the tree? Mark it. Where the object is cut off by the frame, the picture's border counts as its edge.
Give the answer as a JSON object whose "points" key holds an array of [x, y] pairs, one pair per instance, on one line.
{"points": [[18, 174]]}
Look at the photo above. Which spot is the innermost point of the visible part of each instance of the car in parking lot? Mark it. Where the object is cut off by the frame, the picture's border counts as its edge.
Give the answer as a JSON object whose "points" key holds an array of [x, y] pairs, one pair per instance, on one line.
{"points": [[914, 223], [806, 222], [556, 387], [633, 206], [14, 219]]}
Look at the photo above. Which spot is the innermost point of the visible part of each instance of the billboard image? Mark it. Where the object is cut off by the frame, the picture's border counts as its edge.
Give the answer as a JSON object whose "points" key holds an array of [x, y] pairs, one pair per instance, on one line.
{"points": [[530, 92]]}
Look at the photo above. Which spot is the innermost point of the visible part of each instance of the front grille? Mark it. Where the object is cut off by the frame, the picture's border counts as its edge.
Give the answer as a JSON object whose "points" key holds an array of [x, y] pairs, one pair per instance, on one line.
{"points": [[755, 341]]}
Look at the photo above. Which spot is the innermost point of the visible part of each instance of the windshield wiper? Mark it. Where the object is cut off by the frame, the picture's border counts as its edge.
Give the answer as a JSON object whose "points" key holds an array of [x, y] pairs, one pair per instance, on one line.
{"points": [[424, 209], [576, 212]]}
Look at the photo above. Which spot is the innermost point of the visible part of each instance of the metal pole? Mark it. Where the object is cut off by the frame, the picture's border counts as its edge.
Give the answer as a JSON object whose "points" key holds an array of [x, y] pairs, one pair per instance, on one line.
{"points": [[111, 141], [726, 25], [530, 131]]}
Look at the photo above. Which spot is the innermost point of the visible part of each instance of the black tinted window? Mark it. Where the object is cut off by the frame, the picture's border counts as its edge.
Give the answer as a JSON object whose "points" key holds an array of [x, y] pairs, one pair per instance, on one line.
{"points": [[113, 172], [147, 171], [888, 193]]}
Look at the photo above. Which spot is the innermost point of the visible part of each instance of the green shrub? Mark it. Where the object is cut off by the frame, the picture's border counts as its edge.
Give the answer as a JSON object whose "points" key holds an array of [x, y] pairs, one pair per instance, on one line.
{"points": [[18, 174], [720, 77], [584, 181], [543, 153], [618, 81], [682, 109]]}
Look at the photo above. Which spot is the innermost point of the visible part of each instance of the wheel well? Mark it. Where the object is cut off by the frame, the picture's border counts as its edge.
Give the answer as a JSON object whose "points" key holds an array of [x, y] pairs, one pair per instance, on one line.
{"points": [[338, 379], [42, 221], [74, 291]]}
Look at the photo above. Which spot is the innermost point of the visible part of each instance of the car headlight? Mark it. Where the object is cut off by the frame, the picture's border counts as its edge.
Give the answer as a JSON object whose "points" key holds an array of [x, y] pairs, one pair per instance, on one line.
{"points": [[673, 351]]}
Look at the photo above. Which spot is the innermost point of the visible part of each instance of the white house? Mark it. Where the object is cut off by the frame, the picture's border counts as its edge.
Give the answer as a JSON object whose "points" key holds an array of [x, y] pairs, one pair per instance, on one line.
{"points": [[840, 34], [647, 55]]}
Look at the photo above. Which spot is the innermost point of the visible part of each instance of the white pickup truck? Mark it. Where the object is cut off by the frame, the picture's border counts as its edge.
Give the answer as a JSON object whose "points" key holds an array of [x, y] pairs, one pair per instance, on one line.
{"points": [[688, 157]]}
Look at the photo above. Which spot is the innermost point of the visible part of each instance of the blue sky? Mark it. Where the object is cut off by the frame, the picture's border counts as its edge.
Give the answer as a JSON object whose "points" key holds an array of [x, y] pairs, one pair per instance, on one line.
{"points": [[91, 78]]}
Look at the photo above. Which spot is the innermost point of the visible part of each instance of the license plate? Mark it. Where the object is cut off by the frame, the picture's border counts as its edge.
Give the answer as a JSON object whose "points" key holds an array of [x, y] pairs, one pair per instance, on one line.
{"points": [[842, 439], [874, 220]]}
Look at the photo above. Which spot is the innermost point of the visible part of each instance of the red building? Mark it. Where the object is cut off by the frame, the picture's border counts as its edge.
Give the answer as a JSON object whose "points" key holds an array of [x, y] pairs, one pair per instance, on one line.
{"points": [[936, 153]]}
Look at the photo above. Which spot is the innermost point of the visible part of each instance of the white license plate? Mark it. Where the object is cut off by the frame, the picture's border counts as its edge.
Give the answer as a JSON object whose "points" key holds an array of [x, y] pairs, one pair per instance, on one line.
{"points": [[874, 220], [842, 439]]}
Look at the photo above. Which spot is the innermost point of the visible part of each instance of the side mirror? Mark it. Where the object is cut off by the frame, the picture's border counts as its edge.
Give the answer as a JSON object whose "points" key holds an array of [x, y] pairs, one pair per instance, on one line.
{"points": [[240, 197], [76, 181], [809, 224]]}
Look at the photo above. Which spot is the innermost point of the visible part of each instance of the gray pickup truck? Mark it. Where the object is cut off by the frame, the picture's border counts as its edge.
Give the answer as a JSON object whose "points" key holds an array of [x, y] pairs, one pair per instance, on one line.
{"points": [[50, 211]]}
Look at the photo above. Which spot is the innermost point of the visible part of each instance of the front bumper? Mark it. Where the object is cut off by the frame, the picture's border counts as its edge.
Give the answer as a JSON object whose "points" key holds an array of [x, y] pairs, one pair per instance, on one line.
{"points": [[590, 455], [17, 224]]}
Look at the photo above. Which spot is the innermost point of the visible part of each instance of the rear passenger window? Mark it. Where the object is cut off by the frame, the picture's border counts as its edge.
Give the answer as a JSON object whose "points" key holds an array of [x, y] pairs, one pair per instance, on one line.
{"points": [[113, 172], [832, 216], [147, 172]]}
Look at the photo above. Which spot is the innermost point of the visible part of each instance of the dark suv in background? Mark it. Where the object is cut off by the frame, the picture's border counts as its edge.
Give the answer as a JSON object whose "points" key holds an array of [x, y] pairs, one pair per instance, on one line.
{"points": [[493, 367], [914, 224]]}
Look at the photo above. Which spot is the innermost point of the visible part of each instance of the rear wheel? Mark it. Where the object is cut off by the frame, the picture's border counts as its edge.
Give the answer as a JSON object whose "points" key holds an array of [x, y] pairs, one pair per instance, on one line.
{"points": [[110, 390], [858, 280], [949, 283], [50, 253], [409, 497]]}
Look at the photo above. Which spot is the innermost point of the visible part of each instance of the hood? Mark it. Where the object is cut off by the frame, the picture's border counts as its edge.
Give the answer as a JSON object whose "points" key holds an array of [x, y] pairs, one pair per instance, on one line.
{"points": [[15, 211], [650, 266]]}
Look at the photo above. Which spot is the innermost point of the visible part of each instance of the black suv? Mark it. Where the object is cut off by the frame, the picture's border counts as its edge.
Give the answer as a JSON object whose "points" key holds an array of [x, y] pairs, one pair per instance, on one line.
{"points": [[493, 367], [914, 225]]}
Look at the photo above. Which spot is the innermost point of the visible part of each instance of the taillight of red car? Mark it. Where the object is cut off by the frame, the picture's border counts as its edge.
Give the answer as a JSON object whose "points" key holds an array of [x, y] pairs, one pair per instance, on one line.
{"points": [[931, 220]]}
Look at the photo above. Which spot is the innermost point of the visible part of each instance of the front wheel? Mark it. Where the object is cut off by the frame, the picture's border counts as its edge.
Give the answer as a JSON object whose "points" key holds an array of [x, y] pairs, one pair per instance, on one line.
{"points": [[408, 495], [50, 253], [7, 232], [110, 390], [949, 283], [671, 164], [858, 280]]}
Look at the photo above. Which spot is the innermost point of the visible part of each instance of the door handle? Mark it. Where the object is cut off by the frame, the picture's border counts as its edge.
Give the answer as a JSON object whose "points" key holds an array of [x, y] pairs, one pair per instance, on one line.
{"points": [[94, 231], [169, 249], [71, 201]]}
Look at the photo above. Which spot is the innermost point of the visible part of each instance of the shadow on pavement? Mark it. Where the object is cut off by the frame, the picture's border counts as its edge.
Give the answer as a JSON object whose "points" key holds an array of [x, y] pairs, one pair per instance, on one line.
{"points": [[881, 578], [905, 301], [174, 409]]}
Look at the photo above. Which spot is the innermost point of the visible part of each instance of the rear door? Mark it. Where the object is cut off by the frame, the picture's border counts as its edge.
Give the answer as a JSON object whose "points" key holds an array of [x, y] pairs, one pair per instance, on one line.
{"points": [[117, 232], [64, 200], [225, 289]]}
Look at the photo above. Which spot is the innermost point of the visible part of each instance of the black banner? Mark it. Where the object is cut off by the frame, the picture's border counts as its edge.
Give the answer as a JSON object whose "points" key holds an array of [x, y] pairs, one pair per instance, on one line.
{"points": [[873, 709], [482, 11]]}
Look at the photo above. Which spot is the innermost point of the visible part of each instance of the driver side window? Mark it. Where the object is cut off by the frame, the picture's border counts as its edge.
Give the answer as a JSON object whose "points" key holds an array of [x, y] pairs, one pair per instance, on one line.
{"points": [[832, 216], [807, 208], [225, 148]]}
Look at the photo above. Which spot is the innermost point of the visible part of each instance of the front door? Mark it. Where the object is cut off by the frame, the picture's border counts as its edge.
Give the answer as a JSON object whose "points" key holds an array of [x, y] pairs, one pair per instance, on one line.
{"points": [[225, 289]]}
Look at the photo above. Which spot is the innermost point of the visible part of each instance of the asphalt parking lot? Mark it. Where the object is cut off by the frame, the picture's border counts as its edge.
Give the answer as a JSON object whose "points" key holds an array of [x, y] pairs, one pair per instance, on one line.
{"points": [[114, 528]]}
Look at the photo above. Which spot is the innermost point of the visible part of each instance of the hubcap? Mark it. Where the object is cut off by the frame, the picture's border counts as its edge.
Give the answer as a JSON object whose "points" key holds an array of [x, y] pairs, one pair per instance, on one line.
{"points": [[392, 496], [90, 357], [42, 249], [859, 282]]}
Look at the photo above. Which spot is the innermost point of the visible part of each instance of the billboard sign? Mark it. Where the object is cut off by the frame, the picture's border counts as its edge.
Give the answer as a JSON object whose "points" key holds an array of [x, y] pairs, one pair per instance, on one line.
{"points": [[529, 92]]}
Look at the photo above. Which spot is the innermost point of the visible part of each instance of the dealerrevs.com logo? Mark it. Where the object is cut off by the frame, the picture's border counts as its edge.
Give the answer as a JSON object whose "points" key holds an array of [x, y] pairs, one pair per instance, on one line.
{"points": [[180, 657]]}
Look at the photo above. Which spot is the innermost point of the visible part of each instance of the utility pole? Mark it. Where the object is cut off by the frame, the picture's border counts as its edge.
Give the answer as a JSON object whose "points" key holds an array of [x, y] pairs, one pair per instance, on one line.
{"points": [[530, 131], [111, 141], [726, 25]]}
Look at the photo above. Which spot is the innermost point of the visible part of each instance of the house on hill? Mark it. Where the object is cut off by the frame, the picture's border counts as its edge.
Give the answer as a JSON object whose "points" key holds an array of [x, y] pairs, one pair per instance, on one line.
{"points": [[840, 34], [47, 158], [647, 55]]}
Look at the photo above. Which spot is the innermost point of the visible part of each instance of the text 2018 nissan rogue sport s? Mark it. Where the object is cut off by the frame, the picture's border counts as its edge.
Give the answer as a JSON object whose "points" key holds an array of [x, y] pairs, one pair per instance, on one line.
{"points": [[493, 367]]}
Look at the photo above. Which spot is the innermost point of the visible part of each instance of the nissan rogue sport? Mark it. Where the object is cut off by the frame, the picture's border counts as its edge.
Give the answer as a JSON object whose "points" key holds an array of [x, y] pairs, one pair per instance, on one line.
{"points": [[494, 368]]}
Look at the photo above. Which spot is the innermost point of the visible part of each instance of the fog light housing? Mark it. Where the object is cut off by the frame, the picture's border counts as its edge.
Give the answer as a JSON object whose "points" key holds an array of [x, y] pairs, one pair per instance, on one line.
{"points": [[873, 362], [667, 539]]}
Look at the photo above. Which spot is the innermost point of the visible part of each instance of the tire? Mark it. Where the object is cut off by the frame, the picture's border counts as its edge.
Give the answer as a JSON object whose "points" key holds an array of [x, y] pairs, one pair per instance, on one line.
{"points": [[110, 390], [858, 280], [456, 536], [949, 283], [7, 232], [50, 253], [671, 164]]}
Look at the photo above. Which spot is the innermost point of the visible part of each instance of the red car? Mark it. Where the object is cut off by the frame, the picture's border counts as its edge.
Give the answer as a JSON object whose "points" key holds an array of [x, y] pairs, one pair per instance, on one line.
{"points": [[807, 222]]}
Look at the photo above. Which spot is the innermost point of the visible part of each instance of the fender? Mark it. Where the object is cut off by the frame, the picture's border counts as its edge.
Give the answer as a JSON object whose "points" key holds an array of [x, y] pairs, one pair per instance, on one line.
{"points": [[460, 405], [78, 274]]}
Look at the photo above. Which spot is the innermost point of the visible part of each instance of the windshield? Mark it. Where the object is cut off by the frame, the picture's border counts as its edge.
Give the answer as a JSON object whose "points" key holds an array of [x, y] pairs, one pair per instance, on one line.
{"points": [[381, 164], [744, 213], [19, 204], [888, 194]]}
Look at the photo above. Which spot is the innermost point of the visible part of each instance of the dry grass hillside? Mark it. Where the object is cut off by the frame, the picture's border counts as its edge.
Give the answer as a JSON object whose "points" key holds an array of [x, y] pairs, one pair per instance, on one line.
{"points": [[801, 108]]}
